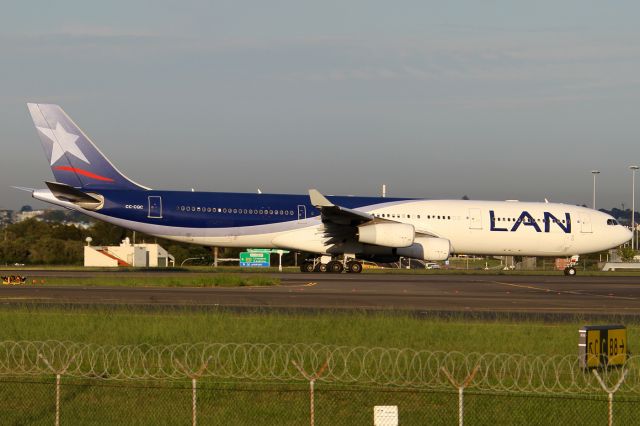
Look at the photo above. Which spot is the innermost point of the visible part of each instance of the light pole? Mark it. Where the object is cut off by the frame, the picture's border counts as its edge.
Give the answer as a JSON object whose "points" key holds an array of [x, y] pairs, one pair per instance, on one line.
{"points": [[633, 206], [594, 173], [190, 258]]}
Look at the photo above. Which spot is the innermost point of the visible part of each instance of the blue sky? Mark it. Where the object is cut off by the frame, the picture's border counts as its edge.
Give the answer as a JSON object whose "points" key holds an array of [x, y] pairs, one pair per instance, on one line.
{"points": [[493, 99]]}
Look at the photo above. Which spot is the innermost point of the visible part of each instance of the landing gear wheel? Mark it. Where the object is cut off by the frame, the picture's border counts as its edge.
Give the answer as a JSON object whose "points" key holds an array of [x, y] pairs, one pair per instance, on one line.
{"points": [[570, 271], [335, 267], [306, 267], [321, 267], [354, 267]]}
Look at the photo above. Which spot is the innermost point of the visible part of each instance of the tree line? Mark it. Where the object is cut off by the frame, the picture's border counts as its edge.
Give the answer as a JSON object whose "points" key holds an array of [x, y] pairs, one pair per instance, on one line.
{"points": [[50, 242]]}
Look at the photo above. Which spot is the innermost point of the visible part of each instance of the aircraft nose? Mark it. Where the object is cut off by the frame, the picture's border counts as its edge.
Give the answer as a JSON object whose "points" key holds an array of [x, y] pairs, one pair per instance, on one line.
{"points": [[626, 235]]}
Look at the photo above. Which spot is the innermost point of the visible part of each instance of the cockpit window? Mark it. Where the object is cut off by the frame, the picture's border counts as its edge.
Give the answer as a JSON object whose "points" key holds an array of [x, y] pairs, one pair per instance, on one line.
{"points": [[612, 222]]}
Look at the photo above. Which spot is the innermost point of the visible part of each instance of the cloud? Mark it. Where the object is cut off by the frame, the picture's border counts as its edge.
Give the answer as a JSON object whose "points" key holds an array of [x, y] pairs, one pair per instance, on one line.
{"points": [[82, 31], [78, 38]]}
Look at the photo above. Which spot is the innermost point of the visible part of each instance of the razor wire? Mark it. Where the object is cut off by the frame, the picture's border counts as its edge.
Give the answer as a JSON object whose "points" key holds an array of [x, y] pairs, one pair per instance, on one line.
{"points": [[407, 368]]}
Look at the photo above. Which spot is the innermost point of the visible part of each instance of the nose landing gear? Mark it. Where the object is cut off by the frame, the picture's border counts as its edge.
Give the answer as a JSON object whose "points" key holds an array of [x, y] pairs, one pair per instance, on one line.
{"points": [[570, 270]]}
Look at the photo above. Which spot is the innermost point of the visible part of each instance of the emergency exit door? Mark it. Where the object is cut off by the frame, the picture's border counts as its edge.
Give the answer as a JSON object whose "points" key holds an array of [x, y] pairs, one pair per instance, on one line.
{"points": [[155, 207], [302, 214], [585, 223], [475, 219]]}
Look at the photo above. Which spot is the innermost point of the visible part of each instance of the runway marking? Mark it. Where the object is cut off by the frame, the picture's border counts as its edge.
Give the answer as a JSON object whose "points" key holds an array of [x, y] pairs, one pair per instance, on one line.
{"points": [[283, 285], [574, 292]]}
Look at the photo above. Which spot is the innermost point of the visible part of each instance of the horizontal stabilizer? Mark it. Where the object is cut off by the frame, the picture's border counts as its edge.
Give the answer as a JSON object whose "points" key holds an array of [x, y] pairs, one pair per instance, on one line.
{"points": [[73, 195], [23, 188]]}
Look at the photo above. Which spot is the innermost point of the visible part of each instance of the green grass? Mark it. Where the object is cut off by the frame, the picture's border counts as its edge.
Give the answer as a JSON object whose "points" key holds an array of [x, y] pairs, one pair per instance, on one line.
{"points": [[85, 401], [211, 280], [100, 402], [167, 326]]}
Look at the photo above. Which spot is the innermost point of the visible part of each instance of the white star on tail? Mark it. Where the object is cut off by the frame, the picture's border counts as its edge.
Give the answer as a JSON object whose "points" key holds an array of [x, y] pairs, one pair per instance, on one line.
{"points": [[63, 141]]}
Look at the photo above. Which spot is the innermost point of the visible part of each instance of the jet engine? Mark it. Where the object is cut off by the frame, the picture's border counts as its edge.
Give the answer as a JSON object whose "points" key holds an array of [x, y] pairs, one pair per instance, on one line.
{"points": [[387, 234], [427, 249]]}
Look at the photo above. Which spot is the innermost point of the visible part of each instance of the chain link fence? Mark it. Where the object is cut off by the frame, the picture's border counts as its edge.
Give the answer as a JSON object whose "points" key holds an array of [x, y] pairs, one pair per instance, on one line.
{"points": [[242, 383]]}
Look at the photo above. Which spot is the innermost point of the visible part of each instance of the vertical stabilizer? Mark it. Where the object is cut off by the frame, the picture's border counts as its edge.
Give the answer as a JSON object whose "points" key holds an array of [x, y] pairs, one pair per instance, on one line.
{"points": [[74, 159]]}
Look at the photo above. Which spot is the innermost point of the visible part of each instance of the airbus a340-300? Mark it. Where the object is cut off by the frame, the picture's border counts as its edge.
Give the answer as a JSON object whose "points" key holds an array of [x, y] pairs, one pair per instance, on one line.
{"points": [[340, 230]]}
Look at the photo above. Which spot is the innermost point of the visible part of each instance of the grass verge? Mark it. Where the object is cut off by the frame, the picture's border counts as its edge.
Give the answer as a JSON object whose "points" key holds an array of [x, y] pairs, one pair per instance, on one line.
{"points": [[133, 325], [213, 280], [234, 402]]}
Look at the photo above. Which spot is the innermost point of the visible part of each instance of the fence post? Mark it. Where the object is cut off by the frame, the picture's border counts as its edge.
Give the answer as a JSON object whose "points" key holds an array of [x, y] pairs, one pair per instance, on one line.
{"points": [[610, 391], [194, 401], [58, 374], [58, 399], [194, 384], [461, 387], [312, 381]]}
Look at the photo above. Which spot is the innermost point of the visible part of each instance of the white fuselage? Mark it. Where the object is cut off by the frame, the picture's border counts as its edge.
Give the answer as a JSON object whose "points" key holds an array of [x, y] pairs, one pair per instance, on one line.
{"points": [[472, 227]]}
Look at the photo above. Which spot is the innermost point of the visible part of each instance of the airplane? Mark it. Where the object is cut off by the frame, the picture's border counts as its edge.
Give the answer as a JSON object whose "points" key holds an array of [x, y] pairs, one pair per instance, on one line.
{"points": [[341, 231]]}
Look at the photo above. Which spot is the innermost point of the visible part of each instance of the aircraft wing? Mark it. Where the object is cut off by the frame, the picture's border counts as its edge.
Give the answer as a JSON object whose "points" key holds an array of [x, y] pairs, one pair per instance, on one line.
{"points": [[338, 215], [333, 214]]}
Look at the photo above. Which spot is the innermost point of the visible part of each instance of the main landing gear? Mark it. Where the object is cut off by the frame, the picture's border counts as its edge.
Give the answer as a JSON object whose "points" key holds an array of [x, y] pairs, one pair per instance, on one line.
{"points": [[334, 266]]}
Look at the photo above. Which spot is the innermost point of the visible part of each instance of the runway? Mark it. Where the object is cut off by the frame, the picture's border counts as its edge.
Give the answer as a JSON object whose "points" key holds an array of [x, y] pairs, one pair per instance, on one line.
{"points": [[601, 295]]}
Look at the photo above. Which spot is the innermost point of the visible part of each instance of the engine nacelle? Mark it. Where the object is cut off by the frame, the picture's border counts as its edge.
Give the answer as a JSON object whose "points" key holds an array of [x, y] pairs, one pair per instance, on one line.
{"points": [[427, 249], [387, 234]]}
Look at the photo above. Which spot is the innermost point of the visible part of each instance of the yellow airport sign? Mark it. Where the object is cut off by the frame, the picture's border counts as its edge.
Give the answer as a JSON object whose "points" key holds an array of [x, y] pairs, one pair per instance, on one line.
{"points": [[603, 346]]}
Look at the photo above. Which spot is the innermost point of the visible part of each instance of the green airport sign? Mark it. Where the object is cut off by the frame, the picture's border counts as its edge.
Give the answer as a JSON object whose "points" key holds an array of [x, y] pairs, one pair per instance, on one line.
{"points": [[251, 259]]}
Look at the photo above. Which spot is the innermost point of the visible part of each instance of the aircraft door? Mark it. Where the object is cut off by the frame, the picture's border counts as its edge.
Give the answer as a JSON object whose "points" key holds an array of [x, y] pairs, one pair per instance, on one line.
{"points": [[585, 223], [302, 214], [155, 207], [475, 219]]}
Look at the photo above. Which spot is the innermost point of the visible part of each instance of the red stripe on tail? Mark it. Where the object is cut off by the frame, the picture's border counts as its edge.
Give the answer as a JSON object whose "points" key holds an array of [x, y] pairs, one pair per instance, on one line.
{"points": [[83, 173]]}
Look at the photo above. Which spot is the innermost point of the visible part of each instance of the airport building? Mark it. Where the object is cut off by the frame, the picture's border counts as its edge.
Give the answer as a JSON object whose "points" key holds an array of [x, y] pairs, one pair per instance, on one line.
{"points": [[25, 215], [127, 255]]}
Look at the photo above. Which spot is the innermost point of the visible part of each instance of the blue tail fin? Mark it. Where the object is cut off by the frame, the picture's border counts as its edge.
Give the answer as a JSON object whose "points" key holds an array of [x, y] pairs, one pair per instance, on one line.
{"points": [[74, 159]]}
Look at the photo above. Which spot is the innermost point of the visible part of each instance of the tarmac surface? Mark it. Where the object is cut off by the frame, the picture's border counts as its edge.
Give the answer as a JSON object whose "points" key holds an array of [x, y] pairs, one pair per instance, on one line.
{"points": [[600, 295]]}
